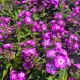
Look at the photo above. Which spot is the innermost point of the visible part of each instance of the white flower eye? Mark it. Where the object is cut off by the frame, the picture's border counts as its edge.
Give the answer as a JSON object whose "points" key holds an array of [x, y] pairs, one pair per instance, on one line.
{"points": [[28, 19], [22, 74]]}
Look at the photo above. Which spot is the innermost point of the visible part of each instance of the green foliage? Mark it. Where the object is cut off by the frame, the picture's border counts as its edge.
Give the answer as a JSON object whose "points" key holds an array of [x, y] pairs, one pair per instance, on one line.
{"points": [[35, 17]]}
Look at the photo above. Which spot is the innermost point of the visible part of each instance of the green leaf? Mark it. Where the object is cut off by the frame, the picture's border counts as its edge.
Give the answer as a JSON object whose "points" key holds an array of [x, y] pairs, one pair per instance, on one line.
{"points": [[1, 1], [63, 74], [50, 78], [6, 70], [64, 16], [35, 17]]}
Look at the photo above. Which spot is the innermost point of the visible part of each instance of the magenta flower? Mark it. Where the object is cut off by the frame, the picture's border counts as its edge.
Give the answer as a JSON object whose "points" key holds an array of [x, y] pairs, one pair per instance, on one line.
{"points": [[33, 29], [22, 44], [61, 51], [21, 14], [57, 28], [71, 78], [27, 13], [7, 46], [60, 62], [46, 35], [29, 52], [27, 65], [13, 75], [50, 53], [46, 42], [33, 9], [43, 26], [75, 46], [52, 22], [32, 51], [61, 22], [28, 20], [24, 1], [77, 65], [74, 37], [50, 68], [22, 76], [25, 53], [58, 45], [19, 23], [30, 42], [7, 20], [58, 16], [36, 27], [55, 3]]}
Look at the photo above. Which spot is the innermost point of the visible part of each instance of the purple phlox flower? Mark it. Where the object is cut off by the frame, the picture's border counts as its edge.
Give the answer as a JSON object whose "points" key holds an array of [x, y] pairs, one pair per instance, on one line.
{"points": [[22, 44], [36, 26], [17, 2], [28, 20], [71, 78], [58, 16], [33, 9], [74, 37], [76, 3], [33, 52], [32, 2], [21, 14], [68, 61], [46, 35], [44, 3], [58, 45], [24, 14], [19, 23], [27, 65], [13, 75], [55, 2], [60, 61], [61, 22], [25, 53], [7, 46], [22, 75], [50, 53], [33, 29], [54, 36], [50, 68], [61, 51], [9, 30], [30, 42], [46, 42], [75, 46], [52, 22], [28, 52], [7, 20], [76, 9], [24, 1], [57, 28], [43, 26], [13, 71], [77, 65], [27, 13]]}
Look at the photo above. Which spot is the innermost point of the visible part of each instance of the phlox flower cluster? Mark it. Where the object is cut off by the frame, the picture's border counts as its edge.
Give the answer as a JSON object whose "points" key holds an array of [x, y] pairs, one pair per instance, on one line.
{"points": [[46, 41]]}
